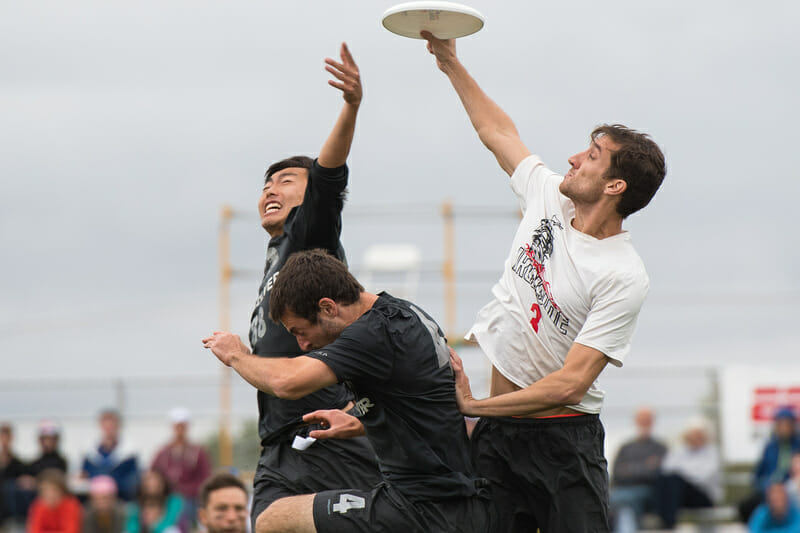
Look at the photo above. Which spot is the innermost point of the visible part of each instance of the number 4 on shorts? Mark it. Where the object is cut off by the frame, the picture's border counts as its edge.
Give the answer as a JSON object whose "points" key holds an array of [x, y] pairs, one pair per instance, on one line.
{"points": [[347, 502]]}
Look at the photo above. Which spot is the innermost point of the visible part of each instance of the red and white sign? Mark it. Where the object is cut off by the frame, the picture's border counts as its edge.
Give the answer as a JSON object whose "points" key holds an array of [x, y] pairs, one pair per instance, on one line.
{"points": [[767, 400], [749, 397]]}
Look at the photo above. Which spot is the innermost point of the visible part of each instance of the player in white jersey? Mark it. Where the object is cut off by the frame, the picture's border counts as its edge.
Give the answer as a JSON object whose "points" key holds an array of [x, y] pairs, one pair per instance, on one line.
{"points": [[565, 307]]}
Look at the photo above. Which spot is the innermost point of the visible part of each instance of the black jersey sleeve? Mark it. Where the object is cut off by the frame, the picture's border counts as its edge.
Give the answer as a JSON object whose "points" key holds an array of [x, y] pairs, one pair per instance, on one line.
{"points": [[318, 221], [362, 353]]}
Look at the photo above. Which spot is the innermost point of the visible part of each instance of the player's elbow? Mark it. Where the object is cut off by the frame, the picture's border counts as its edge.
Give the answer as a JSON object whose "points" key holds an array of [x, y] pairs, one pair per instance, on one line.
{"points": [[490, 136], [572, 393]]}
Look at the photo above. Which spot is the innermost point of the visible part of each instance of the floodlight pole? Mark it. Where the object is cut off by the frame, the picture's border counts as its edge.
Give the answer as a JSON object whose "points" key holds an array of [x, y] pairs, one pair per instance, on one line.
{"points": [[226, 272]]}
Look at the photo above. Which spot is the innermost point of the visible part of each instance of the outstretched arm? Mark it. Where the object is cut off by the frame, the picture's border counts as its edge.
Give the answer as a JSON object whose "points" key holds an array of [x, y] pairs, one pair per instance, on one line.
{"points": [[289, 378], [564, 387], [495, 128], [337, 146]]}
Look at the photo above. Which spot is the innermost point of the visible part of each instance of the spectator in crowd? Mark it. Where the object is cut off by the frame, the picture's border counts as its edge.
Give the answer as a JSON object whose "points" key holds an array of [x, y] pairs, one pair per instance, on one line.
{"points": [[113, 457], [49, 454], [636, 468], [104, 512], [157, 508], [793, 483], [690, 474], [11, 469], [777, 514], [773, 467], [184, 464], [55, 510], [223, 504], [49, 458]]}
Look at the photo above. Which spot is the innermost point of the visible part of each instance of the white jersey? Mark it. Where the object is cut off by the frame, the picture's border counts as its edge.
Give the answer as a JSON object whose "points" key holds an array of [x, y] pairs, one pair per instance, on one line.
{"points": [[559, 286]]}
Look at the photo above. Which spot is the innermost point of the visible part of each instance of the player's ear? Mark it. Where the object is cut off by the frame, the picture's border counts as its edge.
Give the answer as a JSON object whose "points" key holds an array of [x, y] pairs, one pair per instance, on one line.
{"points": [[616, 186], [202, 515], [327, 307]]}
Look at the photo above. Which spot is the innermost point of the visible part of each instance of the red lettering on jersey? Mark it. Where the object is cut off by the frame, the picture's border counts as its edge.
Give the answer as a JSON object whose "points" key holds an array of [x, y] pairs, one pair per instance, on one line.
{"points": [[537, 316]]}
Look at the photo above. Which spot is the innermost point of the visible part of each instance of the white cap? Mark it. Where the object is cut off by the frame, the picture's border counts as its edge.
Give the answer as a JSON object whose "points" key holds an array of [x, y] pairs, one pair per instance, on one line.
{"points": [[49, 428], [179, 415]]}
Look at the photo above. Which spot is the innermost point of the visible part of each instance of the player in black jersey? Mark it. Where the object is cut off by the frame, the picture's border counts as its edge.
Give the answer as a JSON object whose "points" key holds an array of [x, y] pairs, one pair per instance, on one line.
{"points": [[395, 358], [300, 207]]}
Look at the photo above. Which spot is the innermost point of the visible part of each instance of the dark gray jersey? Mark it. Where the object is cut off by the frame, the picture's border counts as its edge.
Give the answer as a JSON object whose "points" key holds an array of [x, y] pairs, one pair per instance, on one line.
{"points": [[396, 360], [317, 223]]}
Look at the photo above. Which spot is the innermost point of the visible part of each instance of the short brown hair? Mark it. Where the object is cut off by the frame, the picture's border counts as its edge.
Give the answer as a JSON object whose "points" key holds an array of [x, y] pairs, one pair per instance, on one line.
{"points": [[638, 161], [305, 279], [55, 477], [220, 480], [297, 161]]}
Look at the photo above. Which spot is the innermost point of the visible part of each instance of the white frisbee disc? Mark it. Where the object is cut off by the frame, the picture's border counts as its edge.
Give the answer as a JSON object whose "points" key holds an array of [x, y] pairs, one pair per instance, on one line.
{"points": [[445, 20]]}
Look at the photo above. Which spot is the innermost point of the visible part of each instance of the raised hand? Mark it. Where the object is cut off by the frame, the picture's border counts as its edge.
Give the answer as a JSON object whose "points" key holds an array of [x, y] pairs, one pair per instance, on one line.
{"points": [[348, 79], [444, 50], [226, 346]]}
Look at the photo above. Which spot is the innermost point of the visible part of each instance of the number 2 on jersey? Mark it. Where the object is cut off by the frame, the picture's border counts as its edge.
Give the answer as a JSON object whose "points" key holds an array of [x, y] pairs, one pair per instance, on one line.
{"points": [[537, 316]]}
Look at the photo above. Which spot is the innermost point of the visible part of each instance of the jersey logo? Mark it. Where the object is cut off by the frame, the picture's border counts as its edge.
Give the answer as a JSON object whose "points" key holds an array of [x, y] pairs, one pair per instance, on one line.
{"points": [[361, 407], [530, 267]]}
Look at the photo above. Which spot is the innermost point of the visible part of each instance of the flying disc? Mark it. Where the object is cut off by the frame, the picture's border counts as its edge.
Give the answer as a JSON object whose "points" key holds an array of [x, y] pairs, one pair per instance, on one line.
{"points": [[445, 20]]}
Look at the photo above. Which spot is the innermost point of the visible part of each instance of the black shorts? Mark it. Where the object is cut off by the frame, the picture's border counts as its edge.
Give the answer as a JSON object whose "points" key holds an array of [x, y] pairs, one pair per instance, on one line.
{"points": [[329, 463], [385, 509], [546, 473]]}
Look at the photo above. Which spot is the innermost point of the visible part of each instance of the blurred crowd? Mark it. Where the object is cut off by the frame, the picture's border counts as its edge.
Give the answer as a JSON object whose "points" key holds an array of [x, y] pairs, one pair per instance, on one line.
{"points": [[650, 479], [113, 492]]}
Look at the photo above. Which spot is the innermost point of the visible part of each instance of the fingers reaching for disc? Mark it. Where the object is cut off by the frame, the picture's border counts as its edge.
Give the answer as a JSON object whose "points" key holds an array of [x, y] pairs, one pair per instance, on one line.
{"points": [[348, 79]]}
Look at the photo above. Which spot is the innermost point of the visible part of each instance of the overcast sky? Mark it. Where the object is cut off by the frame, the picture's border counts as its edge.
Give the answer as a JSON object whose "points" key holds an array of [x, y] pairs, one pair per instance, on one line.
{"points": [[124, 128]]}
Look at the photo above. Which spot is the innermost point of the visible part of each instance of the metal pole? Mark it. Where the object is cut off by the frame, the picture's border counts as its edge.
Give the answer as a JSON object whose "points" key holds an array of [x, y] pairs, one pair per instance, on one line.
{"points": [[225, 445], [448, 269]]}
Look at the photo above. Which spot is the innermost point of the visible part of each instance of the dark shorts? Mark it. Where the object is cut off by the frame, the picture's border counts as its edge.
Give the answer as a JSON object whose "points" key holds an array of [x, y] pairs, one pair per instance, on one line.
{"points": [[384, 509], [328, 464], [547, 473]]}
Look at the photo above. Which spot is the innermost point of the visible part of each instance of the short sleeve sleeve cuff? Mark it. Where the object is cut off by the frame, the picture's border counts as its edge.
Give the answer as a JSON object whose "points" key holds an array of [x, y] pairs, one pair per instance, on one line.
{"points": [[530, 178]]}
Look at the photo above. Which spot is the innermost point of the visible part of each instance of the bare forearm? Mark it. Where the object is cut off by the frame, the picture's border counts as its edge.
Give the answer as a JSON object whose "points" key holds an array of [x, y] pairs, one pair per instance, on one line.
{"points": [[486, 116], [337, 146], [260, 372], [555, 390], [289, 378]]}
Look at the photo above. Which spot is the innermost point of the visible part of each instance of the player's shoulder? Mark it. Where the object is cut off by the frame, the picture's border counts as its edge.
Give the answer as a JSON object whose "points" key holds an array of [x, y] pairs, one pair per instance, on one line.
{"points": [[532, 167], [318, 174], [392, 316]]}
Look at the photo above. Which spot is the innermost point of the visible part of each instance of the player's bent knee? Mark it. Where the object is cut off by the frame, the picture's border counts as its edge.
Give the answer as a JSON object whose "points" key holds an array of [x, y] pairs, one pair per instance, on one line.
{"points": [[262, 522], [287, 515]]}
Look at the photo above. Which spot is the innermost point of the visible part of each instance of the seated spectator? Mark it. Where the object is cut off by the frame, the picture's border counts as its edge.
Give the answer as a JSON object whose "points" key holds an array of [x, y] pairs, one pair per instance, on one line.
{"points": [[55, 510], [793, 483], [690, 475], [104, 512], [777, 514], [11, 469], [223, 504], [636, 468], [49, 458], [184, 464], [157, 508], [49, 454], [773, 467], [112, 457]]}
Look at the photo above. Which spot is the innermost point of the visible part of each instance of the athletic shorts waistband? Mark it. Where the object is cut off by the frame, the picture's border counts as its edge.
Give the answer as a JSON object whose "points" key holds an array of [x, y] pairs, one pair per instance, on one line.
{"points": [[580, 419]]}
